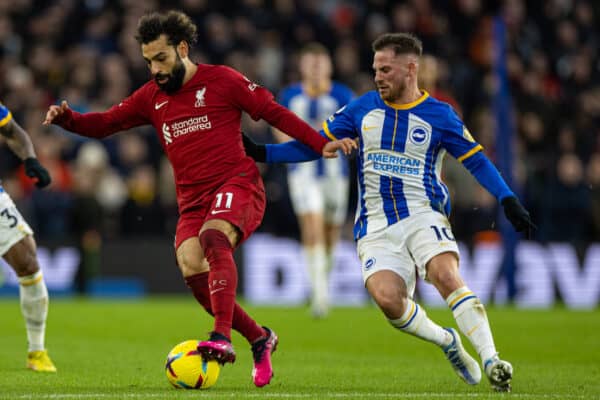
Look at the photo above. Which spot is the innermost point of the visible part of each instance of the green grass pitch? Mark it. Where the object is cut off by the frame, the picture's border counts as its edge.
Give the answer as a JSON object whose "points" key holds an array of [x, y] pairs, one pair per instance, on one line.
{"points": [[116, 350]]}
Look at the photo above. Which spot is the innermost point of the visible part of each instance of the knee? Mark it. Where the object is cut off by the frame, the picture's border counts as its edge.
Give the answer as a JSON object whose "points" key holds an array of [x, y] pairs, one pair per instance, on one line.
{"points": [[213, 239], [26, 263], [190, 266], [446, 280], [391, 301]]}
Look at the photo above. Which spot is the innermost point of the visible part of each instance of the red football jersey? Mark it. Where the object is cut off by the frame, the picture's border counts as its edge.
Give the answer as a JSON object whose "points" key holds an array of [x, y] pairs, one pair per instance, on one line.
{"points": [[199, 126]]}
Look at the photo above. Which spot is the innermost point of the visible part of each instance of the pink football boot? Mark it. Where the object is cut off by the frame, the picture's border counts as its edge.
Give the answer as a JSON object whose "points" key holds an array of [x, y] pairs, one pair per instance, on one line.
{"points": [[262, 372]]}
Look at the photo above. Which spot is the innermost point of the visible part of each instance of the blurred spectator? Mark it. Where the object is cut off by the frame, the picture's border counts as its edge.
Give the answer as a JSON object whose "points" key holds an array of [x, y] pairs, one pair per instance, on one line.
{"points": [[86, 213], [142, 213], [566, 204], [97, 179]]}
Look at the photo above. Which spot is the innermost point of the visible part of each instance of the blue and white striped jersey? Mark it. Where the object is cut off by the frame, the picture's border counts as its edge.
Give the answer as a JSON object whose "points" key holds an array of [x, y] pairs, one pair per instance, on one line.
{"points": [[401, 149], [314, 110]]}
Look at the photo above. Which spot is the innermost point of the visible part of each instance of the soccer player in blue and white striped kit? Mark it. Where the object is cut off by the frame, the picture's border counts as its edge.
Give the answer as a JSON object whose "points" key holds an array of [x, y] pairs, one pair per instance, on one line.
{"points": [[18, 248], [318, 189], [401, 224]]}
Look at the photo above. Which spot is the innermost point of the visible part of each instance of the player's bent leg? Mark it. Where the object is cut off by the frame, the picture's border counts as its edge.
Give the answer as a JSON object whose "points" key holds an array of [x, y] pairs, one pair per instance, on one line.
{"points": [[499, 373], [262, 372], [415, 322], [472, 320], [33, 296], [222, 285]]}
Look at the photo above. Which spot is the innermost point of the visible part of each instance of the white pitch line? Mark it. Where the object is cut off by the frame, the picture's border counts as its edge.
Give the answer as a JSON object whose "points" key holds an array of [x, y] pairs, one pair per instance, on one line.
{"points": [[263, 395]]}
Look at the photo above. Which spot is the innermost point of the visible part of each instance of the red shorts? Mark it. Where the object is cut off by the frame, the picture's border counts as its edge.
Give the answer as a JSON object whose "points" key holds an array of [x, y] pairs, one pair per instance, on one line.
{"points": [[240, 201]]}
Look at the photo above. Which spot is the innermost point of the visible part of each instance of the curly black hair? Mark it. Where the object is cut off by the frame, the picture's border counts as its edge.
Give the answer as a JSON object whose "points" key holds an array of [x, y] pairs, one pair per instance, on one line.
{"points": [[176, 25]]}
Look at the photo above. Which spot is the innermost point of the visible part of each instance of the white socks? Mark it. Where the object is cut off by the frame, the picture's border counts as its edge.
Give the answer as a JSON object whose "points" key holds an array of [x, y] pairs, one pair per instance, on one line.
{"points": [[318, 271], [415, 321], [34, 306], [472, 321]]}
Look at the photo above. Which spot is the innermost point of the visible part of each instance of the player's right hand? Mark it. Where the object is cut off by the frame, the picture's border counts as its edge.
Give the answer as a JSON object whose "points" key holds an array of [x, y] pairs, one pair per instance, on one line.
{"points": [[346, 145], [55, 112]]}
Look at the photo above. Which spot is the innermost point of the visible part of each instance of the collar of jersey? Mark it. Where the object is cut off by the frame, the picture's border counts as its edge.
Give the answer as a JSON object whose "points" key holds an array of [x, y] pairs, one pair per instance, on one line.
{"points": [[407, 106], [318, 92]]}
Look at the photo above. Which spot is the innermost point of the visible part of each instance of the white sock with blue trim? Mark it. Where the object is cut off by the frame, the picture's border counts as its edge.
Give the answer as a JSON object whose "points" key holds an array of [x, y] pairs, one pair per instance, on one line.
{"points": [[472, 321], [316, 259], [415, 322], [34, 306]]}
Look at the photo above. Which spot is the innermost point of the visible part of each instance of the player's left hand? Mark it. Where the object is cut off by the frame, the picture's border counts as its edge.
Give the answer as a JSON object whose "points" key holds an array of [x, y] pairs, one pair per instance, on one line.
{"points": [[346, 145], [518, 215], [34, 169]]}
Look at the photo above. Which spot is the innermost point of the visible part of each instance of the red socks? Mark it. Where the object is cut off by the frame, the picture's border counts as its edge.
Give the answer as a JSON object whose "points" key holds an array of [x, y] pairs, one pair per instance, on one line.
{"points": [[242, 322], [222, 285]]}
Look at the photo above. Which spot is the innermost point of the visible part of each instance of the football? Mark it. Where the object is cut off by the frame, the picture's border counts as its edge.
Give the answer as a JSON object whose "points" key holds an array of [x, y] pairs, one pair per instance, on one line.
{"points": [[186, 369]]}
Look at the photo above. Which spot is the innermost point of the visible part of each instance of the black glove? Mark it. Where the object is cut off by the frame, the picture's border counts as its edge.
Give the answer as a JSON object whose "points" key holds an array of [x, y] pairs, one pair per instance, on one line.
{"points": [[34, 169], [518, 215], [257, 151]]}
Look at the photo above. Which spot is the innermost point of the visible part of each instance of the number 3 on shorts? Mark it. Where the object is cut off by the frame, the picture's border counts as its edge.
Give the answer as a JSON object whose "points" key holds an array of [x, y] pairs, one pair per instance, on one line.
{"points": [[6, 214]]}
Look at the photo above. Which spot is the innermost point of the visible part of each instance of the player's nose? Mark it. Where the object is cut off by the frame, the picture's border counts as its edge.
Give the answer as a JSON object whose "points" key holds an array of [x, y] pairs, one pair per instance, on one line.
{"points": [[155, 69]]}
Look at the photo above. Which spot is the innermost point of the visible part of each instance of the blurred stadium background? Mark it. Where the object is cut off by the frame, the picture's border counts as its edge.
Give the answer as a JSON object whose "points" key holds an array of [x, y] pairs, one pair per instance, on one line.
{"points": [[105, 226]]}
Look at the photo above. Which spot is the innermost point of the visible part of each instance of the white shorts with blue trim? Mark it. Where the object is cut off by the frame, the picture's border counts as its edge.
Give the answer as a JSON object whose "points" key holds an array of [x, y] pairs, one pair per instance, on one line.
{"points": [[13, 227], [406, 247]]}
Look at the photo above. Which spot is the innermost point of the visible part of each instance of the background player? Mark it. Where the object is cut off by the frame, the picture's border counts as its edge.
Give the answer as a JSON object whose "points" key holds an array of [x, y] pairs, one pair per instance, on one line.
{"points": [[318, 189], [401, 225], [196, 110], [18, 247]]}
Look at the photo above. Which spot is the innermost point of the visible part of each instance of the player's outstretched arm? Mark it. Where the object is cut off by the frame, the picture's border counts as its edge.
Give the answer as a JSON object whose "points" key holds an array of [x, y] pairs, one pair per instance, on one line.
{"points": [[127, 114], [488, 176], [294, 151]]}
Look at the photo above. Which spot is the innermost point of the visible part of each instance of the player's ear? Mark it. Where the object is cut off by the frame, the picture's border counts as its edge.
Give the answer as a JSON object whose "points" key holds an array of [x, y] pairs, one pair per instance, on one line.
{"points": [[183, 49]]}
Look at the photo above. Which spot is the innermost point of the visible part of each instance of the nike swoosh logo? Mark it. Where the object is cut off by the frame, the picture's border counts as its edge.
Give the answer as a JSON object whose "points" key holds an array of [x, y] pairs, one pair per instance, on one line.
{"points": [[213, 212], [159, 105], [216, 290], [368, 128]]}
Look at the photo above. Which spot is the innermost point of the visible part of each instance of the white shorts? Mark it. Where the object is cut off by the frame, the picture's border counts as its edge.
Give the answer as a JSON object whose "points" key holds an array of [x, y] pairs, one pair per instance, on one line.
{"points": [[327, 195], [13, 227], [406, 247]]}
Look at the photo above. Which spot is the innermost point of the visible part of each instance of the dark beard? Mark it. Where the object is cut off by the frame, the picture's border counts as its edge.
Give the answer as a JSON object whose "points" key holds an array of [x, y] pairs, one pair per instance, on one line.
{"points": [[175, 80]]}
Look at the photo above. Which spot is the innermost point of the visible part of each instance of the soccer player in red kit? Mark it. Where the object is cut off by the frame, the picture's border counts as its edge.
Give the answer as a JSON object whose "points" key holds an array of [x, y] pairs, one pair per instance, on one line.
{"points": [[196, 110]]}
